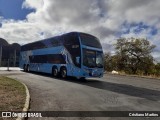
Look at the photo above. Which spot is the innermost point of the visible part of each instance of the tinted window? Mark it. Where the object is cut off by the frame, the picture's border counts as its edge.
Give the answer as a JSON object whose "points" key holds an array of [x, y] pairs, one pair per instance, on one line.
{"points": [[92, 58], [38, 59], [51, 42], [70, 39], [55, 42], [89, 58], [71, 43], [33, 46], [90, 40], [56, 59], [50, 58]]}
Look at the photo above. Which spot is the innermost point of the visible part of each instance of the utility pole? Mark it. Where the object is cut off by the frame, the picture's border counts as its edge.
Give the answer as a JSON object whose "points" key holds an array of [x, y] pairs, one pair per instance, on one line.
{"points": [[15, 57], [8, 65], [0, 56]]}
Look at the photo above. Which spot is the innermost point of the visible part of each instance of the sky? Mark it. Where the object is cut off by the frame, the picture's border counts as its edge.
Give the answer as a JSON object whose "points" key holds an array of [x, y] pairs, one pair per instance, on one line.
{"points": [[25, 21]]}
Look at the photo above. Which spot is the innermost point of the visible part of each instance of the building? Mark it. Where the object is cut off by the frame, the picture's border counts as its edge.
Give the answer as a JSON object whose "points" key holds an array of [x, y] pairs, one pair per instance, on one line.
{"points": [[9, 54]]}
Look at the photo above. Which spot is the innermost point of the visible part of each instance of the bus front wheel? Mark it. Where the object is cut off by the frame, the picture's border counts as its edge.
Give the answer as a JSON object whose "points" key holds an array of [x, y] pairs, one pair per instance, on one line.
{"points": [[63, 72]]}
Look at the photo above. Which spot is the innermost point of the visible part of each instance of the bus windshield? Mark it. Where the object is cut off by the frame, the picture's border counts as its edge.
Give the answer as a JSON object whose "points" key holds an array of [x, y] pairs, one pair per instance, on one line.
{"points": [[92, 58], [90, 40]]}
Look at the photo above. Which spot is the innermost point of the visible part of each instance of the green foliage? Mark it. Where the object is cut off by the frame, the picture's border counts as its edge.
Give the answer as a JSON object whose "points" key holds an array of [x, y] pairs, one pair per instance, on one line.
{"points": [[157, 69], [110, 62], [133, 56], [107, 62]]}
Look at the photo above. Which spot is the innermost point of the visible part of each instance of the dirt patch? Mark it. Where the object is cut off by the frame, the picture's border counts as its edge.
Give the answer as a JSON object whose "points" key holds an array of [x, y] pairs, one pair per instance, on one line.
{"points": [[12, 94]]}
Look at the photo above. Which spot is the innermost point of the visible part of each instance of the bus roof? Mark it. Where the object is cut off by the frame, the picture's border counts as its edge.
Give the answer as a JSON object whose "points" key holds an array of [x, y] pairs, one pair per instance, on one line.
{"points": [[57, 37]]}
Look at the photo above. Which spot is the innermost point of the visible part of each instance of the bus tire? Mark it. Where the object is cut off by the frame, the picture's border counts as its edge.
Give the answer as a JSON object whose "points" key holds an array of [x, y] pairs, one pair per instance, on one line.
{"points": [[63, 72], [83, 79], [24, 68], [54, 71], [27, 68]]}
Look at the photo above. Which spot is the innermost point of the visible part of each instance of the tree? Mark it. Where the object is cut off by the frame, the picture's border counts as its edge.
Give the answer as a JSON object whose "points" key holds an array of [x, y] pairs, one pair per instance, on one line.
{"points": [[157, 69], [110, 62], [134, 55], [107, 61]]}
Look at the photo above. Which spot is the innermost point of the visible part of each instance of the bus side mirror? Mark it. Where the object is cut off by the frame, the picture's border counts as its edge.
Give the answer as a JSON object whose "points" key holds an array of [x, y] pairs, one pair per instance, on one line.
{"points": [[78, 60]]}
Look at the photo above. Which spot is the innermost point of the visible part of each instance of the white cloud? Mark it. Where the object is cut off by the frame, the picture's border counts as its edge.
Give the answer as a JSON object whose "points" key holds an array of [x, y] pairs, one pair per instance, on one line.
{"points": [[36, 4], [102, 18]]}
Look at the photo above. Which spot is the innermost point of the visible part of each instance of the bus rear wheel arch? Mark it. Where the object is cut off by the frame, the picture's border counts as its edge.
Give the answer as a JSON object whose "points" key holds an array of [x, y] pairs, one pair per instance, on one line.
{"points": [[63, 72], [54, 71]]}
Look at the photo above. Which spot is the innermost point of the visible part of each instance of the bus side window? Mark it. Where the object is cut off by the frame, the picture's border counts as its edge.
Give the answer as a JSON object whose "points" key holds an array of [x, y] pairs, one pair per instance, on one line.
{"points": [[70, 40], [55, 59], [71, 43], [34, 46], [55, 42]]}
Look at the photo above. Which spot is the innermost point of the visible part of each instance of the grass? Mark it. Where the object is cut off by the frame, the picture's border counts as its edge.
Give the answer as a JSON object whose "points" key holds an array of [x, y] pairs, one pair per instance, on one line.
{"points": [[12, 94], [140, 75]]}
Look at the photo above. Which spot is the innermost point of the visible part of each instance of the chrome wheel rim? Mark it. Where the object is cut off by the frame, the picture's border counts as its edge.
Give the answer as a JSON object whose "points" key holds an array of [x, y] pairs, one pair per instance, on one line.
{"points": [[64, 73], [55, 72]]}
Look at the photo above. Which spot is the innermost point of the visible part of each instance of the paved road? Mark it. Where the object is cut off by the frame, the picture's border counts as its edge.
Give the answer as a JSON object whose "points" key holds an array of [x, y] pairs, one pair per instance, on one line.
{"points": [[112, 92]]}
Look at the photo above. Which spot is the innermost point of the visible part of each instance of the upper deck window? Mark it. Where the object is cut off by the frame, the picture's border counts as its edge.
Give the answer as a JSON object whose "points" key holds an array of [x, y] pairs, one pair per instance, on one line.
{"points": [[90, 40]]}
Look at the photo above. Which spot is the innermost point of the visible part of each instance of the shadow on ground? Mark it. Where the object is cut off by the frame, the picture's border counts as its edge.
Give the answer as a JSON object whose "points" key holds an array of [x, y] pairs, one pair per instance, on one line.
{"points": [[130, 90]]}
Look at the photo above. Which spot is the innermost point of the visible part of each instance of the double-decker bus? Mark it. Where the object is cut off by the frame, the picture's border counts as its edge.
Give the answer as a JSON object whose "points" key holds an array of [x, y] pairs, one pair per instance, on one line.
{"points": [[72, 54]]}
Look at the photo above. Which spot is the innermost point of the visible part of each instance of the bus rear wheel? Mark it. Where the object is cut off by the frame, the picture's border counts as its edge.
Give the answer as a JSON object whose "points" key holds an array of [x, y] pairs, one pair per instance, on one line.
{"points": [[55, 72], [24, 68], [27, 68], [63, 72], [83, 79]]}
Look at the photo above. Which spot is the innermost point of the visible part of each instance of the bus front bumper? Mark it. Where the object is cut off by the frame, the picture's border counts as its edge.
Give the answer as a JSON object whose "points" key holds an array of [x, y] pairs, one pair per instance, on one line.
{"points": [[93, 73]]}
